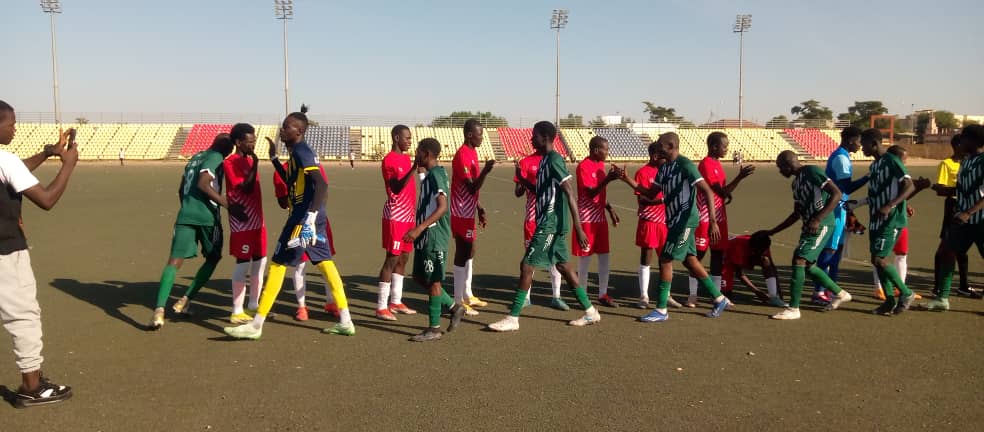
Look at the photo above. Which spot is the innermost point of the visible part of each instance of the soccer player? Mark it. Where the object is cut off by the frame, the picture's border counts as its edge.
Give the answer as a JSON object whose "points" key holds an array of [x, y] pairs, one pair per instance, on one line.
{"points": [[712, 171], [398, 218], [555, 209], [651, 228], [967, 227], [197, 223], [814, 199], [430, 238], [247, 237], [946, 186], [19, 308], [592, 202], [680, 181], [466, 182], [527, 169], [840, 171], [744, 253], [300, 234], [889, 186]]}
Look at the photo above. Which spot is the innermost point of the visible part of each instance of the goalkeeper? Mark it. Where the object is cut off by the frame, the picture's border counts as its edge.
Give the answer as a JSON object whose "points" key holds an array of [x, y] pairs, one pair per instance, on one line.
{"points": [[306, 194]]}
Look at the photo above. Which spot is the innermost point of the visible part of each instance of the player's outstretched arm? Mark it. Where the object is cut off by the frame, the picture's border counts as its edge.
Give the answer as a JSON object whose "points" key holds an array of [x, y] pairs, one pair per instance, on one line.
{"points": [[397, 185], [644, 193], [582, 239], [476, 185], [47, 197], [790, 220], [728, 189], [64, 138], [855, 185], [250, 182], [964, 216], [908, 187], [522, 184], [442, 208]]}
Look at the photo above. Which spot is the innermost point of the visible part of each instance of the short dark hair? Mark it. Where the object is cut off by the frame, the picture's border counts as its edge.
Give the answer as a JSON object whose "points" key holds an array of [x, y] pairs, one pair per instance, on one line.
{"points": [[596, 141], [653, 148], [973, 133], [4, 109], [897, 150], [240, 130], [850, 132], [760, 240], [955, 141], [430, 145], [872, 134], [397, 130], [471, 124], [547, 129], [715, 138], [222, 139]]}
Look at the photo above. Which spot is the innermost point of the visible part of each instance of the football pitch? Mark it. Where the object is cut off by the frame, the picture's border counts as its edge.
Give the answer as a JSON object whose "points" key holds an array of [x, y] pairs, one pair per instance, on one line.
{"points": [[98, 256]]}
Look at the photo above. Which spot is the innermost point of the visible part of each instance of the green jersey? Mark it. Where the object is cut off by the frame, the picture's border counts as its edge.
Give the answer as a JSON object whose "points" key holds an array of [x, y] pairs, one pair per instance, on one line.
{"points": [[884, 185], [970, 186], [196, 208], [552, 212], [809, 196], [436, 236], [678, 180]]}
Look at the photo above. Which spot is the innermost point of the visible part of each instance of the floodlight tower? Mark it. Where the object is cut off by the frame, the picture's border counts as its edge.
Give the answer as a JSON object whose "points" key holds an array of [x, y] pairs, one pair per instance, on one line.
{"points": [[743, 23], [284, 10], [53, 7], [558, 21]]}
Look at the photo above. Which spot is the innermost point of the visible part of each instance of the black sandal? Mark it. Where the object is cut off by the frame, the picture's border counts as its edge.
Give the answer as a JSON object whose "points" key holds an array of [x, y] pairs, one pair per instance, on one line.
{"points": [[46, 393]]}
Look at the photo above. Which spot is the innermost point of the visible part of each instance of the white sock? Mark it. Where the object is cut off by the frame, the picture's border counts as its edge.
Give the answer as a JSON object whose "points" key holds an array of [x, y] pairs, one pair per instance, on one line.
{"points": [[384, 293], [238, 296], [256, 269], [555, 280], [902, 264], [773, 285], [459, 284], [258, 320], [717, 281], [878, 284], [344, 317], [397, 292], [603, 273], [468, 280], [693, 286], [300, 288], [644, 282], [582, 271]]}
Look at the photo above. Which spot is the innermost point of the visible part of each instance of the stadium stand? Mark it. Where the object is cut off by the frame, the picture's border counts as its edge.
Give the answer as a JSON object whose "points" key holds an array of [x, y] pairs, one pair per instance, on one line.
{"points": [[516, 142], [201, 137], [329, 141], [819, 142], [623, 144], [263, 132], [577, 141]]}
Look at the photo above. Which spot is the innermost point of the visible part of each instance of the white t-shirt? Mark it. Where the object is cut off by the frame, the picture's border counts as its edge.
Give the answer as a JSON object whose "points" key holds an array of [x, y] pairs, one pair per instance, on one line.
{"points": [[13, 172]]}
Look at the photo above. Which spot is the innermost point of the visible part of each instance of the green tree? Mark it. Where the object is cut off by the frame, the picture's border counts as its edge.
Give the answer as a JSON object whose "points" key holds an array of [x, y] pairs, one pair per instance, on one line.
{"points": [[922, 123], [859, 115], [457, 119], [946, 120], [778, 122], [969, 122], [660, 113], [811, 110], [597, 122], [572, 121]]}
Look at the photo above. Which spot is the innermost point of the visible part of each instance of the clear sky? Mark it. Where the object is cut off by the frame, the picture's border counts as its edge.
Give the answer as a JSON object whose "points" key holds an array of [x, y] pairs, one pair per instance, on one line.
{"points": [[424, 58]]}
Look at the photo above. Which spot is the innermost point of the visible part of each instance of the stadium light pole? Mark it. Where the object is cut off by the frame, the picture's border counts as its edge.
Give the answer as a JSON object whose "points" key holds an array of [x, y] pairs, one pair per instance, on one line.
{"points": [[284, 9], [558, 21], [53, 7], [743, 23]]}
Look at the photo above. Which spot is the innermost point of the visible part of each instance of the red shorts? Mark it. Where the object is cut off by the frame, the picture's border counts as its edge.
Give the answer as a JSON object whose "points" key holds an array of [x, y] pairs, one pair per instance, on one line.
{"points": [[245, 245], [650, 235], [528, 228], [393, 232], [463, 228], [597, 234], [902, 243], [702, 237]]}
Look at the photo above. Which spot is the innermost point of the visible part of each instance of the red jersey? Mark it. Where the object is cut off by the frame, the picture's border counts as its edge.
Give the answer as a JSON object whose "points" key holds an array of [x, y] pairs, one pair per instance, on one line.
{"points": [[739, 252], [464, 166], [399, 207], [528, 167], [713, 174], [280, 186], [590, 174], [650, 212], [236, 169]]}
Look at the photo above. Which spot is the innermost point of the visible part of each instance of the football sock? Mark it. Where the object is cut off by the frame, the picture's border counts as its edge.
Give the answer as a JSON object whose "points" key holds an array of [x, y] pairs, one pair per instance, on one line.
{"points": [[772, 284], [201, 277], [468, 280], [717, 281], [517, 305], [397, 290], [384, 293], [581, 293], [238, 296], [167, 281], [820, 277], [664, 294], [330, 273], [434, 311], [902, 263], [887, 286], [300, 287], [270, 291], [582, 271], [715, 290], [603, 274], [878, 285], [644, 282], [692, 285], [256, 280], [459, 284], [555, 281], [796, 285], [893, 276]]}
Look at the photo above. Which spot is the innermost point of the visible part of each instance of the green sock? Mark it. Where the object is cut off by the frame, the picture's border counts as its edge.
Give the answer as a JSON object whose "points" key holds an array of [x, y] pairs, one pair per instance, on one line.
{"points": [[167, 281], [663, 295], [518, 301], [888, 286], [796, 286], [709, 285], [436, 302], [202, 277], [819, 276], [944, 278], [446, 300], [582, 297], [893, 275]]}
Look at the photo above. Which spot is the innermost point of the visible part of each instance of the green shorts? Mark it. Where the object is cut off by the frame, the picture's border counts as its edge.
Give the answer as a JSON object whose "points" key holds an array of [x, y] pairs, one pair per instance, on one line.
{"points": [[546, 250], [959, 238], [186, 239], [811, 245], [883, 240], [429, 265], [679, 244]]}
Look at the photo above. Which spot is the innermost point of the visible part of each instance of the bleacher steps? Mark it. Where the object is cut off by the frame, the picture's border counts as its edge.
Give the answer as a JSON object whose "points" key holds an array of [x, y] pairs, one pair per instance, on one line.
{"points": [[800, 151], [355, 142], [179, 140], [497, 149]]}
